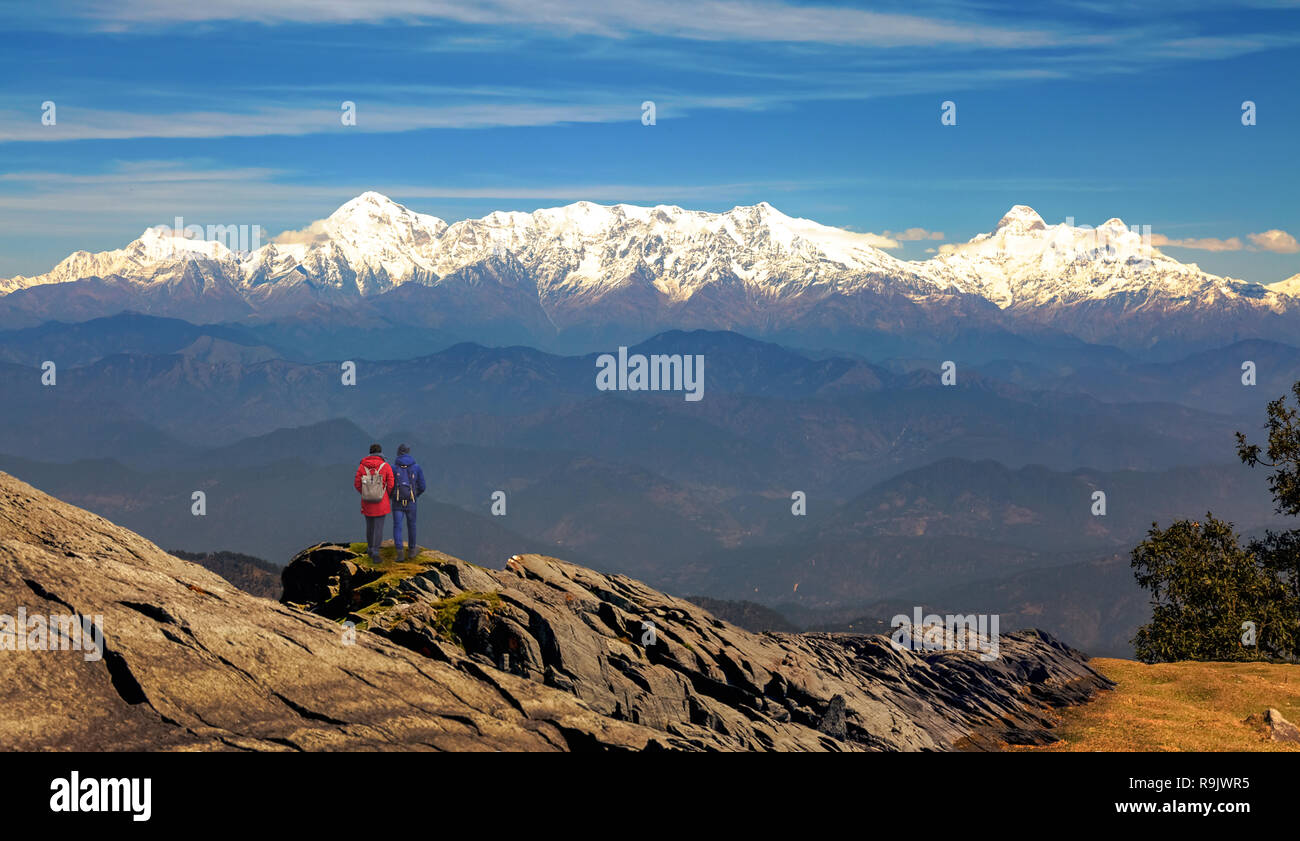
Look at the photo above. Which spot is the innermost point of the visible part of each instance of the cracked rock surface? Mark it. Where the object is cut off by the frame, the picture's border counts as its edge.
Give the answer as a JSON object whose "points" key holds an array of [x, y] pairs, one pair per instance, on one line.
{"points": [[542, 655], [194, 663]]}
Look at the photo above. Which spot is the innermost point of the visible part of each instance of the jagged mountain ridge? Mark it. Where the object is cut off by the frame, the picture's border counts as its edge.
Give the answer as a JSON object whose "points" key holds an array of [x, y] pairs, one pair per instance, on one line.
{"points": [[372, 245], [750, 268]]}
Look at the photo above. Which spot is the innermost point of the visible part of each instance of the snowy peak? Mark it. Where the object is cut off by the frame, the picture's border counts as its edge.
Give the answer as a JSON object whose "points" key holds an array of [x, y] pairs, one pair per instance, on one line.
{"points": [[1021, 219], [159, 255], [761, 213], [369, 200], [163, 242], [1024, 262], [373, 219], [371, 209], [369, 245], [1290, 286]]}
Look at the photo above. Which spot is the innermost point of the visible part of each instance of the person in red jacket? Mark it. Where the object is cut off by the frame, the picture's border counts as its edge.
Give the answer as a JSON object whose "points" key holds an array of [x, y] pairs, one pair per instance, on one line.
{"points": [[374, 481]]}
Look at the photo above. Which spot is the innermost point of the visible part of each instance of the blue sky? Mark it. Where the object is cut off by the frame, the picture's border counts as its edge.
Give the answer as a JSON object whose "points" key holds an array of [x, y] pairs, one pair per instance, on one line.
{"points": [[227, 113]]}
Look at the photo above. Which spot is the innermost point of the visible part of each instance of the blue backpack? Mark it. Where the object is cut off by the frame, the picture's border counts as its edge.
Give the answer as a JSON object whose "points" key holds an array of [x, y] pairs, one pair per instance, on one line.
{"points": [[404, 492]]}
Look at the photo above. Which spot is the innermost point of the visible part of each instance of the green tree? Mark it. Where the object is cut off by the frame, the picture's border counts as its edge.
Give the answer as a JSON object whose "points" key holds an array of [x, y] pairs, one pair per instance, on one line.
{"points": [[1205, 585], [1283, 453]]}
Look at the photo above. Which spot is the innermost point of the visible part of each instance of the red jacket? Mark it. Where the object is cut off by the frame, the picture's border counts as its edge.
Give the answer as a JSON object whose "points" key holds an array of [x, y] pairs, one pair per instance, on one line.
{"points": [[375, 462]]}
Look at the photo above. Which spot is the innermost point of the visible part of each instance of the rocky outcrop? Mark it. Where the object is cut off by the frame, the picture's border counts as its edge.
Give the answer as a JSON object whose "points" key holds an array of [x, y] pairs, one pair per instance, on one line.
{"points": [[635, 655], [191, 662], [441, 654]]}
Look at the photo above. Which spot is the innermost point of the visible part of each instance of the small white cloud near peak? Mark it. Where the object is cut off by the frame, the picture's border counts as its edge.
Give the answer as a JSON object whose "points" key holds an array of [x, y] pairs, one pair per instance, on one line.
{"points": [[914, 234], [1279, 242], [1198, 244], [1274, 240], [310, 235]]}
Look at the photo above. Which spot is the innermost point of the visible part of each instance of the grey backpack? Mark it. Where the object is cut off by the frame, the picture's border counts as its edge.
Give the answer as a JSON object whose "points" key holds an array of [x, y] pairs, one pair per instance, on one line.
{"points": [[372, 486]]}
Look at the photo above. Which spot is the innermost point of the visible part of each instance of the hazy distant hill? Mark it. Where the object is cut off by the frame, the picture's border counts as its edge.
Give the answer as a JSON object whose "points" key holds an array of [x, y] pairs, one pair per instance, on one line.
{"points": [[961, 536], [771, 420], [954, 521], [1208, 379], [743, 614], [252, 575], [81, 343]]}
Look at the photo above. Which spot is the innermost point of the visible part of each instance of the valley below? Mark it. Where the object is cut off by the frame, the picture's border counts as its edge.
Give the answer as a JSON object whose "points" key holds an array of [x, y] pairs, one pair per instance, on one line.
{"points": [[830, 489]]}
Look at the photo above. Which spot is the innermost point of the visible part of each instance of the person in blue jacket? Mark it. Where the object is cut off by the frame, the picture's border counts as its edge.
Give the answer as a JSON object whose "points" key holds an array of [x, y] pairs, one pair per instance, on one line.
{"points": [[408, 484]]}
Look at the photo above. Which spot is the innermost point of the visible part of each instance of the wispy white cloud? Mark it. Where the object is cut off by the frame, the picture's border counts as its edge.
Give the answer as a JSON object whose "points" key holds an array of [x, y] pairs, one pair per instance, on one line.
{"points": [[708, 20], [1221, 46], [780, 53], [96, 124], [133, 173]]}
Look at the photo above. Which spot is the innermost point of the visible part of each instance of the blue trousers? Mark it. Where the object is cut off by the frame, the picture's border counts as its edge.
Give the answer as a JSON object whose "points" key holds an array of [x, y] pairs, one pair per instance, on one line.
{"points": [[404, 515]]}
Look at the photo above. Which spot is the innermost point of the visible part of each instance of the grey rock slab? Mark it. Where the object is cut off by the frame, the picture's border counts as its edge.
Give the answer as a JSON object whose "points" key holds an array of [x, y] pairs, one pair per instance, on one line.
{"points": [[720, 687], [194, 663]]}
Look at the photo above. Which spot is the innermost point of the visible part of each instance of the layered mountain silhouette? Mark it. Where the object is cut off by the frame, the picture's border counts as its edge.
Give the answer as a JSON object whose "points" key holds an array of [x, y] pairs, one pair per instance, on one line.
{"points": [[913, 488]]}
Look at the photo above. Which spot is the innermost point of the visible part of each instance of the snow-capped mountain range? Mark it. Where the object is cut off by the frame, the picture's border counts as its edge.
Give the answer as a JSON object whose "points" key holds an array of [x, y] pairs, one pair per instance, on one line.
{"points": [[588, 265]]}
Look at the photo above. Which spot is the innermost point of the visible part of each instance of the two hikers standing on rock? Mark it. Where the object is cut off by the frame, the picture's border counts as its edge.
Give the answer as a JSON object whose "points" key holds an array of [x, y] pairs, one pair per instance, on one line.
{"points": [[386, 488]]}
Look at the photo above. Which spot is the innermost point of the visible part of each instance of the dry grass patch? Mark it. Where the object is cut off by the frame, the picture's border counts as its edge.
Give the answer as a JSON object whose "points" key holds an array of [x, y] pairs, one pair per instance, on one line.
{"points": [[1180, 707]]}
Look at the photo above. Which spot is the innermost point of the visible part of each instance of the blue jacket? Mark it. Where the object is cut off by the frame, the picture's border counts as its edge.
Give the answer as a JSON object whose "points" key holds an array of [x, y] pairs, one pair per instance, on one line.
{"points": [[416, 473]]}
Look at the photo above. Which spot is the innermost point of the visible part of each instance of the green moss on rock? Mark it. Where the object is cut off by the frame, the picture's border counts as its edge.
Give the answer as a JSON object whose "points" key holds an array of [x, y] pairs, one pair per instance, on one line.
{"points": [[446, 610]]}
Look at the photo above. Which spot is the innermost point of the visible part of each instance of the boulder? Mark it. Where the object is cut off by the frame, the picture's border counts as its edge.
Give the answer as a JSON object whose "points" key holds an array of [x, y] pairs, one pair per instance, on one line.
{"points": [[1273, 726]]}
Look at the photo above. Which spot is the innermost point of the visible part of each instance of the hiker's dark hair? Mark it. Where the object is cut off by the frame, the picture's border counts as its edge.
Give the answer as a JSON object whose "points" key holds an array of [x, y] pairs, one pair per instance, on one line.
{"points": [[375, 448]]}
